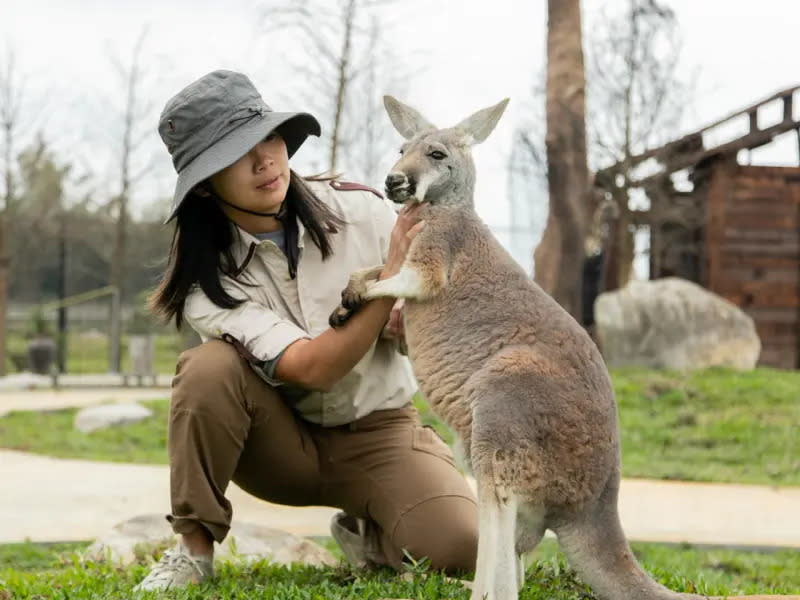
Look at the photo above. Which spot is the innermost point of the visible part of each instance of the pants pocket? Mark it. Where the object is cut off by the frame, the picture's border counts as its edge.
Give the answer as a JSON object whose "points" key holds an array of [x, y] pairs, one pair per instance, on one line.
{"points": [[425, 439]]}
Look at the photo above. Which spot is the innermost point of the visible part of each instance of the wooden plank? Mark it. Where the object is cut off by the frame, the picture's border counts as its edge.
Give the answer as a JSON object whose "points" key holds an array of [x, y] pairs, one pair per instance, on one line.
{"points": [[760, 219], [715, 211], [779, 288], [764, 236], [787, 248], [760, 298], [784, 317], [759, 172], [780, 357], [787, 275], [734, 259]]}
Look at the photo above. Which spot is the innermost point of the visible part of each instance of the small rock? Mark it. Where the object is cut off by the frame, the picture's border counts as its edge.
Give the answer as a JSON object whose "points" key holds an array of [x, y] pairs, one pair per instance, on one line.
{"points": [[245, 542], [250, 542], [24, 381], [92, 418]]}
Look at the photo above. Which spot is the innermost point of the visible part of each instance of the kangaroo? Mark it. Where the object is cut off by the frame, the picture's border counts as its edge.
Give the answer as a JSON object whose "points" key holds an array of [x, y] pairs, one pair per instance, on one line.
{"points": [[515, 376]]}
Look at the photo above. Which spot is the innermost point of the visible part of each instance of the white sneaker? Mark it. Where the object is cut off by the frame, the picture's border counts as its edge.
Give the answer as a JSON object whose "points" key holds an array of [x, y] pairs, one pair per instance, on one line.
{"points": [[176, 569], [358, 540]]}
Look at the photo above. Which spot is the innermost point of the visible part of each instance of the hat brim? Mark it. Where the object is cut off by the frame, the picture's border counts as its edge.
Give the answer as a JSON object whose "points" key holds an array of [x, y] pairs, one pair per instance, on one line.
{"points": [[294, 129]]}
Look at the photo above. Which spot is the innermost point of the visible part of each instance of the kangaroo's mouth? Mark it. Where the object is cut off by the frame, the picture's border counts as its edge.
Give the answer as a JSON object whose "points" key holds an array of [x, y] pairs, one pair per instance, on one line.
{"points": [[403, 193]]}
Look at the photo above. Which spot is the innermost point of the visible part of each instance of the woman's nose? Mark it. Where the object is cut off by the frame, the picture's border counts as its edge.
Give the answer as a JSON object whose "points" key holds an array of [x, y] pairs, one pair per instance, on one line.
{"points": [[264, 158]]}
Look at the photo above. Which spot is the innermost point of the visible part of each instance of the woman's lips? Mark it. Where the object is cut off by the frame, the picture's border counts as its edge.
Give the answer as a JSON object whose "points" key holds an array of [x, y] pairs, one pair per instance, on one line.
{"points": [[270, 184]]}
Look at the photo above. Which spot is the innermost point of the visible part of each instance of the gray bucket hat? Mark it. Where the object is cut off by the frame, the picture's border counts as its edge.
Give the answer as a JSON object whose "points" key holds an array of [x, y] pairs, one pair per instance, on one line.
{"points": [[213, 122]]}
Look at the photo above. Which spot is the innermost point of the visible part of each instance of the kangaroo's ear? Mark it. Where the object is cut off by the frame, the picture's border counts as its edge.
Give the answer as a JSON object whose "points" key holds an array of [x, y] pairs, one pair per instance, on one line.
{"points": [[479, 125], [404, 118]]}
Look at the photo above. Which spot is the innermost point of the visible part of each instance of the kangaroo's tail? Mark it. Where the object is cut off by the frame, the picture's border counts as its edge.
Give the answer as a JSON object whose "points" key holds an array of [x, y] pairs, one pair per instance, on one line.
{"points": [[596, 548]]}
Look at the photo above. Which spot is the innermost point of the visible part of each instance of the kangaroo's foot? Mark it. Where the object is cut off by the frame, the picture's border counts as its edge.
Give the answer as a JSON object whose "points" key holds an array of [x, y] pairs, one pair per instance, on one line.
{"points": [[353, 296]]}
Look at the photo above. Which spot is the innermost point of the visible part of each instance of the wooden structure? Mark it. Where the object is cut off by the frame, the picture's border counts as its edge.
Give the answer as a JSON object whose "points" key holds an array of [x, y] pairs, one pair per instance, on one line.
{"points": [[737, 232]]}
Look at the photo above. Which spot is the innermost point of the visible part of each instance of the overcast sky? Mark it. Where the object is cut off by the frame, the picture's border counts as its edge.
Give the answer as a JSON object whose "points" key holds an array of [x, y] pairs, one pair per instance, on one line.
{"points": [[465, 55]]}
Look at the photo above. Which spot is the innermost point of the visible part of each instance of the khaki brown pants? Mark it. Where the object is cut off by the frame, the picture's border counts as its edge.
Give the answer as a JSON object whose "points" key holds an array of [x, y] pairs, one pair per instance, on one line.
{"points": [[226, 424]]}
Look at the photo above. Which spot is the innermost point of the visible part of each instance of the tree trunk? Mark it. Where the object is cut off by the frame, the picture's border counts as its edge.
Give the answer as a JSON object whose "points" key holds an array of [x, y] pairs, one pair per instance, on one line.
{"points": [[117, 279], [559, 256], [343, 80], [5, 258]]}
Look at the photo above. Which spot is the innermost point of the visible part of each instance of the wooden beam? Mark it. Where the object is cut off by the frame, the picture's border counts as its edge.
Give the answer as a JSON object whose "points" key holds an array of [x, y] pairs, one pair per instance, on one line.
{"points": [[688, 150]]}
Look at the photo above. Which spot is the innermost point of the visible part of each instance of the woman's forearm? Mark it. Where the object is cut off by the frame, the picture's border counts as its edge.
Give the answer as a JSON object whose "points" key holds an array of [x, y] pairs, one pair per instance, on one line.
{"points": [[321, 362]]}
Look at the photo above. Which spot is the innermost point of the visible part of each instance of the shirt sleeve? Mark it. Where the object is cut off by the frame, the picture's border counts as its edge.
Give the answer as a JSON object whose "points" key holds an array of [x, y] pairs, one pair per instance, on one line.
{"points": [[258, 333]]}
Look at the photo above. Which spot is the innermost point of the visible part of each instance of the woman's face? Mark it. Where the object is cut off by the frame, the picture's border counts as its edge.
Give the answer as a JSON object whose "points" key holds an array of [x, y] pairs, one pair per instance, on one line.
{"points": [[257, 181]]}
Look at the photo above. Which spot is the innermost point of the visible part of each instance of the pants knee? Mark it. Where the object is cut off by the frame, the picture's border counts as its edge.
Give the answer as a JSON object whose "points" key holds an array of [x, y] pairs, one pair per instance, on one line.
{"points": [[443, 529]]}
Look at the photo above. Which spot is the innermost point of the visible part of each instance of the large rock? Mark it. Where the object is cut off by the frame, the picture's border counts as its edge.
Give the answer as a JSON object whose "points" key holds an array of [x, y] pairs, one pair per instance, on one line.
{"points": [[92, 418], [245, 542], [673, 323]]}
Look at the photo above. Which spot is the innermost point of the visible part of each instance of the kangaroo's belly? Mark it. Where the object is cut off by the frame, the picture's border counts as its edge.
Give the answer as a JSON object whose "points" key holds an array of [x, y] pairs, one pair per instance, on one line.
{"points": [[450, 338], [457, 337]]}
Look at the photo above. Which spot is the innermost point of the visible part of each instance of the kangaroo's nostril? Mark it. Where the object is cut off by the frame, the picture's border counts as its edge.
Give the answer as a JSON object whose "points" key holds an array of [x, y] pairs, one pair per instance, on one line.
{"points": [[394, 179]]}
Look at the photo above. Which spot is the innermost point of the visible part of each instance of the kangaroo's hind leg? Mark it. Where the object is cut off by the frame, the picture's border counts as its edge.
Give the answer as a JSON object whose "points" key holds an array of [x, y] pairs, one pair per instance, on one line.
{"points": [[530, 531], [496, 569]]}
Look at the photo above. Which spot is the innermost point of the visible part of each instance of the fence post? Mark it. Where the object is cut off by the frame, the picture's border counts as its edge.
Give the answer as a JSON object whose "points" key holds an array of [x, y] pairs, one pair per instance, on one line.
{"points": [[116, 332]]}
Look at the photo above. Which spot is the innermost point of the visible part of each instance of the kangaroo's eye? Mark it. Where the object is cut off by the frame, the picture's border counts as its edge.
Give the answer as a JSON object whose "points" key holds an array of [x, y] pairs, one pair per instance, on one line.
{"points": [[401, 151], [438, 155]]}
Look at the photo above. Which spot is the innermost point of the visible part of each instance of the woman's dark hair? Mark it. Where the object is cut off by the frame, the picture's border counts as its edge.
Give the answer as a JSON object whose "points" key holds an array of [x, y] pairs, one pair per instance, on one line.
{"points": [[201, 249]]}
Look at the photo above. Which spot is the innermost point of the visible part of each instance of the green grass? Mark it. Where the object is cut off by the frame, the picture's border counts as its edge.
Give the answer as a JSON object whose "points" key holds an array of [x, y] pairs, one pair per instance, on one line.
{"points": [[30, 556], [53, 433], [46, 571], [715, 425]]}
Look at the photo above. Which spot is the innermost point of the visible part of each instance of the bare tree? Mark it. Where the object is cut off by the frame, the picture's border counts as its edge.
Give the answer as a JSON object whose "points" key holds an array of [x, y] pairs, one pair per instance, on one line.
{"points": [[345, 71], [135, 131], [636, 99], [559, 255]]}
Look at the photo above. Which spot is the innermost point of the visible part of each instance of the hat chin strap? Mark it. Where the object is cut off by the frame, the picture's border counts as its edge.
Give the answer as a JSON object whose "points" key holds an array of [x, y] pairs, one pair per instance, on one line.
{"points": [[276, 215]]}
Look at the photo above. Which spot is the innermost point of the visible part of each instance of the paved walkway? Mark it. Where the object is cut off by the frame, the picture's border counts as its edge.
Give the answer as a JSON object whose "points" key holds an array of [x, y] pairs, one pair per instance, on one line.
{"points": [[49, 499]]}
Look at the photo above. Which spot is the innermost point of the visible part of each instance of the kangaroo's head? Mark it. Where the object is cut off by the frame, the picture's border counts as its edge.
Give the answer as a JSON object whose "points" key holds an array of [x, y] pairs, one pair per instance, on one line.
{"points": [[436, 164]]}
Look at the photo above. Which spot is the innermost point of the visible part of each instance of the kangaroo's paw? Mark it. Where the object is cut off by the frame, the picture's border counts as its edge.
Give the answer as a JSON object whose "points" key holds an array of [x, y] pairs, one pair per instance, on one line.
{"points": [[340, 316], [354, 295]]}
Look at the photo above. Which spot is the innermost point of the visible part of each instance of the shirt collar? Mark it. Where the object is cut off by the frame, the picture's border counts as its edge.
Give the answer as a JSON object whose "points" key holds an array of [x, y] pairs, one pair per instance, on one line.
{"points": [[245, 244]]}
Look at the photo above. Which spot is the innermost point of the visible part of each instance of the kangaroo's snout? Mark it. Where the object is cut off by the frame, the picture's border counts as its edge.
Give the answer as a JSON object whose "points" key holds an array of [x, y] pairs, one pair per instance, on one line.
{"points": [[399, 187], [394, 180]]}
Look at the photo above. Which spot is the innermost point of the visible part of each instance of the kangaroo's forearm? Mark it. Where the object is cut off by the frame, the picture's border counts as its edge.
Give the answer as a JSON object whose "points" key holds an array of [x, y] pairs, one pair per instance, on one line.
{"points": [[414, 281]]}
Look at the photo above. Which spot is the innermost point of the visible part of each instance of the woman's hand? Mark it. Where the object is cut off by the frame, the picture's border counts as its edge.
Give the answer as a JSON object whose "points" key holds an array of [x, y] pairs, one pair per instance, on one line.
{"points": [[405, 230], [394, 329]]}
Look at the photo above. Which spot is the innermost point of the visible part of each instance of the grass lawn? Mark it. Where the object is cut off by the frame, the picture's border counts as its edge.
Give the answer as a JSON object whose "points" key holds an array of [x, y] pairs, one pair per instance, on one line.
{"points": [[34, 571], [715, 425]]}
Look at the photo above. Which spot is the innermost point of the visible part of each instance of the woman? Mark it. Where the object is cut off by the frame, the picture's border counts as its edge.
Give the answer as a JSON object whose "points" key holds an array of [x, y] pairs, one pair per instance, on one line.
{"points": [[290, 410]]}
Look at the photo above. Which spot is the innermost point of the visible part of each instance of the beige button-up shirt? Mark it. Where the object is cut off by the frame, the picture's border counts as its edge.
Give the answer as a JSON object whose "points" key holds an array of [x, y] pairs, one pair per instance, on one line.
{"points": [[280, 310]]}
